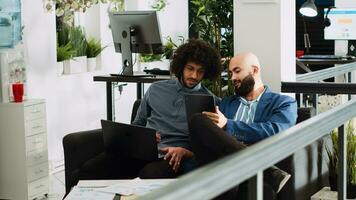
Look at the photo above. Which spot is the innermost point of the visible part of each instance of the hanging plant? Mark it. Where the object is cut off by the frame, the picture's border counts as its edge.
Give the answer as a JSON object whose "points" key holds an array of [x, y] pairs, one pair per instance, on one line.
{"points": [[171, 46], [117, 5], [159, 4], [70, 5], [65, 8]]}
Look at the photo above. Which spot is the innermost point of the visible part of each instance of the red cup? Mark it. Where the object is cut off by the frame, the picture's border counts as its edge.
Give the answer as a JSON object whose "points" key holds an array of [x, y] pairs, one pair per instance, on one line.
{"points": [[299, 53], [17, 91]]}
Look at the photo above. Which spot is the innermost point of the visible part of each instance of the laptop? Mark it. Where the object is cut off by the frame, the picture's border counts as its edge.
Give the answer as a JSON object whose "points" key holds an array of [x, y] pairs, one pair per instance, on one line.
{"points": [[130, 140], [197, 103]]}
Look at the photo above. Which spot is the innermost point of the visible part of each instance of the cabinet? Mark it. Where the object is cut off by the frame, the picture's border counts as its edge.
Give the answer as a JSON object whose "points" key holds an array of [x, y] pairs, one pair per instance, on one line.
{"points": [[23, 150]]}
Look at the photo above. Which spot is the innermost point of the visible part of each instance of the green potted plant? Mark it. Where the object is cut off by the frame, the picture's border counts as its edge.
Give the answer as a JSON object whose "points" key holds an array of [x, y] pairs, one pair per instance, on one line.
{"points": [[78, 40], [149, 61], [78, 63], [150, 57], [212, 21], [92, 51], [63, 35], [332, 153], [64, 52], [351, 159]]}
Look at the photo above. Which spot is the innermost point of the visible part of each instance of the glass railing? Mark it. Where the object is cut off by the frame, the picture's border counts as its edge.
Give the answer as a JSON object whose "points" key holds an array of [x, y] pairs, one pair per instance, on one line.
{"points": [[213, 179]]}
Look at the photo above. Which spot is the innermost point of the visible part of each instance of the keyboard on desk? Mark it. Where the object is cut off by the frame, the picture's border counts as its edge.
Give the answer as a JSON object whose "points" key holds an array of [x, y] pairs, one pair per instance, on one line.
{"points": [[133, 75], [157, 71]]}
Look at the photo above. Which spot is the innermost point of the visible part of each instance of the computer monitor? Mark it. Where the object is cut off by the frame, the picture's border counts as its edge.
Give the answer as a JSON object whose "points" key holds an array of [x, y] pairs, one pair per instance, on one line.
{"points": [[135, 32], [342, 24]]}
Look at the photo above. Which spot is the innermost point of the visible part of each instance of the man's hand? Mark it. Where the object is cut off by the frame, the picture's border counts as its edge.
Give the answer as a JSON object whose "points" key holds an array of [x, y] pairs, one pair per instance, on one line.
{"points": [[175, 155], [218, 118], [158, 137]]}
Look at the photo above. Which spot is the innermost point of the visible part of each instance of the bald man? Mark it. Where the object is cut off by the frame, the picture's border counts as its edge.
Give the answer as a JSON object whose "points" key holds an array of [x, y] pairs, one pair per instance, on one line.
{"points": [[251, 115]]}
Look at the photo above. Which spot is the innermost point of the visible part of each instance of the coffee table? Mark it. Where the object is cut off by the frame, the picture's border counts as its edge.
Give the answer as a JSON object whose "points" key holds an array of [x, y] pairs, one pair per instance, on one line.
{"points": [[105, 183]]}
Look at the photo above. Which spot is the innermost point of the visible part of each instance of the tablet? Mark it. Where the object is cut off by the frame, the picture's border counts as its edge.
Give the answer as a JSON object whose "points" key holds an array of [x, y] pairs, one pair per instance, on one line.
{"points": [[197, 103]]}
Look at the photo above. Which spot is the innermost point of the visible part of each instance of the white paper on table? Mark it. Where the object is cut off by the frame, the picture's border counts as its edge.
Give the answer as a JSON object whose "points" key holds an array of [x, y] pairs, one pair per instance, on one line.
{"points": [[78, 193], [136, 186]]}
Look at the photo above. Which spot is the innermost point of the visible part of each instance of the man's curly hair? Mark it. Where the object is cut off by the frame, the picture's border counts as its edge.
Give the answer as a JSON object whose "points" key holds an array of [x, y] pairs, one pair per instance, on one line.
{"points": [[198, 52]]}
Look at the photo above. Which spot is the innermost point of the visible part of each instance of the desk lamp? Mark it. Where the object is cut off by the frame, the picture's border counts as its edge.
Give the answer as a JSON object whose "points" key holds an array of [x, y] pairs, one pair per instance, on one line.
{"points": [[308, 9]]}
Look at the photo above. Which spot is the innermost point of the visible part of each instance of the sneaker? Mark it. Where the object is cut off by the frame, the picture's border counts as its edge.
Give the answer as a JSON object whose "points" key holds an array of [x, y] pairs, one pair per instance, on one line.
{"points": [[281, 179], [277, 178]]}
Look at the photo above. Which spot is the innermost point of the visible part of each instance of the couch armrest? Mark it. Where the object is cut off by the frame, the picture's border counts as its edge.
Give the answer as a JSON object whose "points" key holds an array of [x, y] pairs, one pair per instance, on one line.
{"points": [[78, 148]]}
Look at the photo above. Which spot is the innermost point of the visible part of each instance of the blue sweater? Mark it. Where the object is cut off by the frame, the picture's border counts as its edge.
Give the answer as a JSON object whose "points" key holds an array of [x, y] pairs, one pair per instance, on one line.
{"points": [[274, 113]]}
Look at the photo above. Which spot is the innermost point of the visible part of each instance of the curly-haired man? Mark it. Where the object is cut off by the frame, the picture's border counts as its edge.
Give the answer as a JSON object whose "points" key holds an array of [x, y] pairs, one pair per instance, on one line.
{"points": [[163, 108]]}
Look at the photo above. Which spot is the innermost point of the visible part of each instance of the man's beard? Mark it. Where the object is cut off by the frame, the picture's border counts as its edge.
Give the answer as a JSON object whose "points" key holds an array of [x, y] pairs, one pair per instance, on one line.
{"points": [[185, 85], [246, 86]]}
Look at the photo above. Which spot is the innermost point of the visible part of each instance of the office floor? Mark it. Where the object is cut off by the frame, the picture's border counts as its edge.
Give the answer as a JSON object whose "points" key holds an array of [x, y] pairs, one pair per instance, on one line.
{"points": [[56, 186]]}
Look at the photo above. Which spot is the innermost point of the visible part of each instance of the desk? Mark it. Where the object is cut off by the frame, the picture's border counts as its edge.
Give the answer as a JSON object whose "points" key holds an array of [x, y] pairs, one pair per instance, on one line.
{"points": [[105, 183], [325, 194], [116, 79]]}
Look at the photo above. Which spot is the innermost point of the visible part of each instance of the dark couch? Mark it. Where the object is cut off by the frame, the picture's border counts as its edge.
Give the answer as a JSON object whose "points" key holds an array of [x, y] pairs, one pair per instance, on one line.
{"points": [[86, 159]]}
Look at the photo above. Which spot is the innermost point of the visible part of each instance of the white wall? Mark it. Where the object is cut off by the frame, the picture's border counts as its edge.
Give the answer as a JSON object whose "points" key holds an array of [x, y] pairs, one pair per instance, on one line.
{"points": [[75, 102], [173, 18], [345, 3], [92, 22], [268, 30]]}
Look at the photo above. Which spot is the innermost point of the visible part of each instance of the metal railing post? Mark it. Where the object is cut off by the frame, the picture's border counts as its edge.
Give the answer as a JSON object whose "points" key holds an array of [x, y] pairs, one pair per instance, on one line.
{"points": [[341, 182], [109, 101], [255, 187], [349, 80]]}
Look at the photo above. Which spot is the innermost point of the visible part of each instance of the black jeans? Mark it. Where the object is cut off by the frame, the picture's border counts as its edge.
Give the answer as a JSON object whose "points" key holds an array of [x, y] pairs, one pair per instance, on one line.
{"points": [[162, 169], [210, 143]]}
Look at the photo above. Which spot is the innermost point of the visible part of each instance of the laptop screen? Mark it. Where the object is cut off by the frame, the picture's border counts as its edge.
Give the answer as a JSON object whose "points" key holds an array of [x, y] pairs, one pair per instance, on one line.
{"points": [[129, 140]]}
